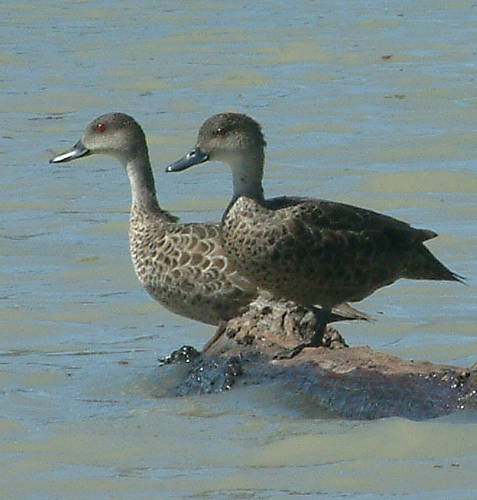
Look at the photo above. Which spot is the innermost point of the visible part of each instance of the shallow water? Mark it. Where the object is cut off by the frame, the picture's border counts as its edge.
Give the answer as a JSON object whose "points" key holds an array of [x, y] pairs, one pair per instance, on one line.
{"points": [[373, 106]]}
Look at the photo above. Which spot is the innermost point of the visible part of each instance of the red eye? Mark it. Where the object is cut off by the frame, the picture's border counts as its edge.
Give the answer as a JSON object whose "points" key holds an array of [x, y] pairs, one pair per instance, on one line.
{"points": [[100, 127], [221, 131]]}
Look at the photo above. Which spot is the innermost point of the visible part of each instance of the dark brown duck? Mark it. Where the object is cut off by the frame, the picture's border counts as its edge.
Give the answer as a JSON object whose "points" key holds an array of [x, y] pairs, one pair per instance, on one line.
{"points": [[310, 251]]}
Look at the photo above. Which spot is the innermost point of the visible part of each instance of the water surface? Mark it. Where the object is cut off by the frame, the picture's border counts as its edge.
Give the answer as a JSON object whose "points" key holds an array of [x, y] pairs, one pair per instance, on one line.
{"points": [[369, 105]]}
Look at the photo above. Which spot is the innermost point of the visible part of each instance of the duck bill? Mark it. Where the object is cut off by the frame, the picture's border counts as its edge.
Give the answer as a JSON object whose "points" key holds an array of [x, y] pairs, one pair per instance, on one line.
{"points": [[194, 157], [77, 151]]}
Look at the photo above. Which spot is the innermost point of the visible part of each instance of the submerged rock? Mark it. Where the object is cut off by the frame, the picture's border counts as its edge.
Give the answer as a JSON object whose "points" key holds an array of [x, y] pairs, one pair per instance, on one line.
{"points": [[352, 382]]}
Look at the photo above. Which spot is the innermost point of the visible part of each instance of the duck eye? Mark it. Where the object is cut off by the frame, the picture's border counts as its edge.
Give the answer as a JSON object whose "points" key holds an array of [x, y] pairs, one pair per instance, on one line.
{"points": [[221, 131], [100, 127]]}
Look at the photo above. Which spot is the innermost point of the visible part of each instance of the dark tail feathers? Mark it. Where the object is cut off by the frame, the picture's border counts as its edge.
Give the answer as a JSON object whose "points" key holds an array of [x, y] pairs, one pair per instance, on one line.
{"points": [[422, 265]]}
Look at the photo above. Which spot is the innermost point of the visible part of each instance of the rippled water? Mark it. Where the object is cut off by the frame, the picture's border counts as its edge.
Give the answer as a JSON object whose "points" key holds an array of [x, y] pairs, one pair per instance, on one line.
{"points": [[372, 104]]}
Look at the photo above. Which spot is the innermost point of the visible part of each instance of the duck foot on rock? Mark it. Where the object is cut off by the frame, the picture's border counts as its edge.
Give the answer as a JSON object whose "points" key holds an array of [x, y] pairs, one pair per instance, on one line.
{"points": [[331, 339]]}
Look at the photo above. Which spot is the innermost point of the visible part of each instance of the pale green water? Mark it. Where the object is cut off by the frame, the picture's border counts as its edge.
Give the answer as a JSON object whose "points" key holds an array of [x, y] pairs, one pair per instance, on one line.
{"points": [[80, 415]]}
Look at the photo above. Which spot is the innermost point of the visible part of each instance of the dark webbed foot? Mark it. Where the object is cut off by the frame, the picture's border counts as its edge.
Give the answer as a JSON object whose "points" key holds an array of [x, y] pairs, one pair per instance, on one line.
{"points": [[331, 339], [316, 341], [291, 353]]}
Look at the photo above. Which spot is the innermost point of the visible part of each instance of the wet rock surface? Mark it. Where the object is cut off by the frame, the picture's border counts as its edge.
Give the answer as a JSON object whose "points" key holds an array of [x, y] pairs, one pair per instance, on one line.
{"points": [[351, 382]]}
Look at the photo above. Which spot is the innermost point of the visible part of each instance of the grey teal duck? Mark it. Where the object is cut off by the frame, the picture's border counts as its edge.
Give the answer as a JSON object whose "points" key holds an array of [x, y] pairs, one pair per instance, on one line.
{"points": [[306, 250], [182, 266]]}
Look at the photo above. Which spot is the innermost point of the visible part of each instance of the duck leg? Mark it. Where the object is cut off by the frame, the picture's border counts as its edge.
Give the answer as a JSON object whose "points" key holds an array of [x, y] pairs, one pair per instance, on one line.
{"points": [[323, 320], [316, 339], [218, 333]]}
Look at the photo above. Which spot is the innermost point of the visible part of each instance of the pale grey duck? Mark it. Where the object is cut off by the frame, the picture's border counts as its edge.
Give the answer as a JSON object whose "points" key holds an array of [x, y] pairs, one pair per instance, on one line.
{"points": [[306, 250], [182, 266]]}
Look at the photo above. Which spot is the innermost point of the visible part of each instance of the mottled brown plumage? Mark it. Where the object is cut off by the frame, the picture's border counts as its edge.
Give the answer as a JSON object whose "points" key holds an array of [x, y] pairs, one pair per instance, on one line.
{"points": [[182, 266], [306, 250], [322, 252]]}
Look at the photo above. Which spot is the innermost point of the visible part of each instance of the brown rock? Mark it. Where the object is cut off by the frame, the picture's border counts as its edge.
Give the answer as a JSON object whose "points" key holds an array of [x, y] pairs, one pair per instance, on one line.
{"points": [[355, 382]]}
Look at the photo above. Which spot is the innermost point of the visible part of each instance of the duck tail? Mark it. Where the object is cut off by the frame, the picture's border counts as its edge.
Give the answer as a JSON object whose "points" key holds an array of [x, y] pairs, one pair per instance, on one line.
{"points": [[423, 265], [344, 311]]}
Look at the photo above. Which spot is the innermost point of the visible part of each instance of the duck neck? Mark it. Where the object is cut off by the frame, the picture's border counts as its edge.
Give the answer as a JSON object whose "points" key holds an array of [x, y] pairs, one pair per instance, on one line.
{"points": [[143, 190], [247, 173]]}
